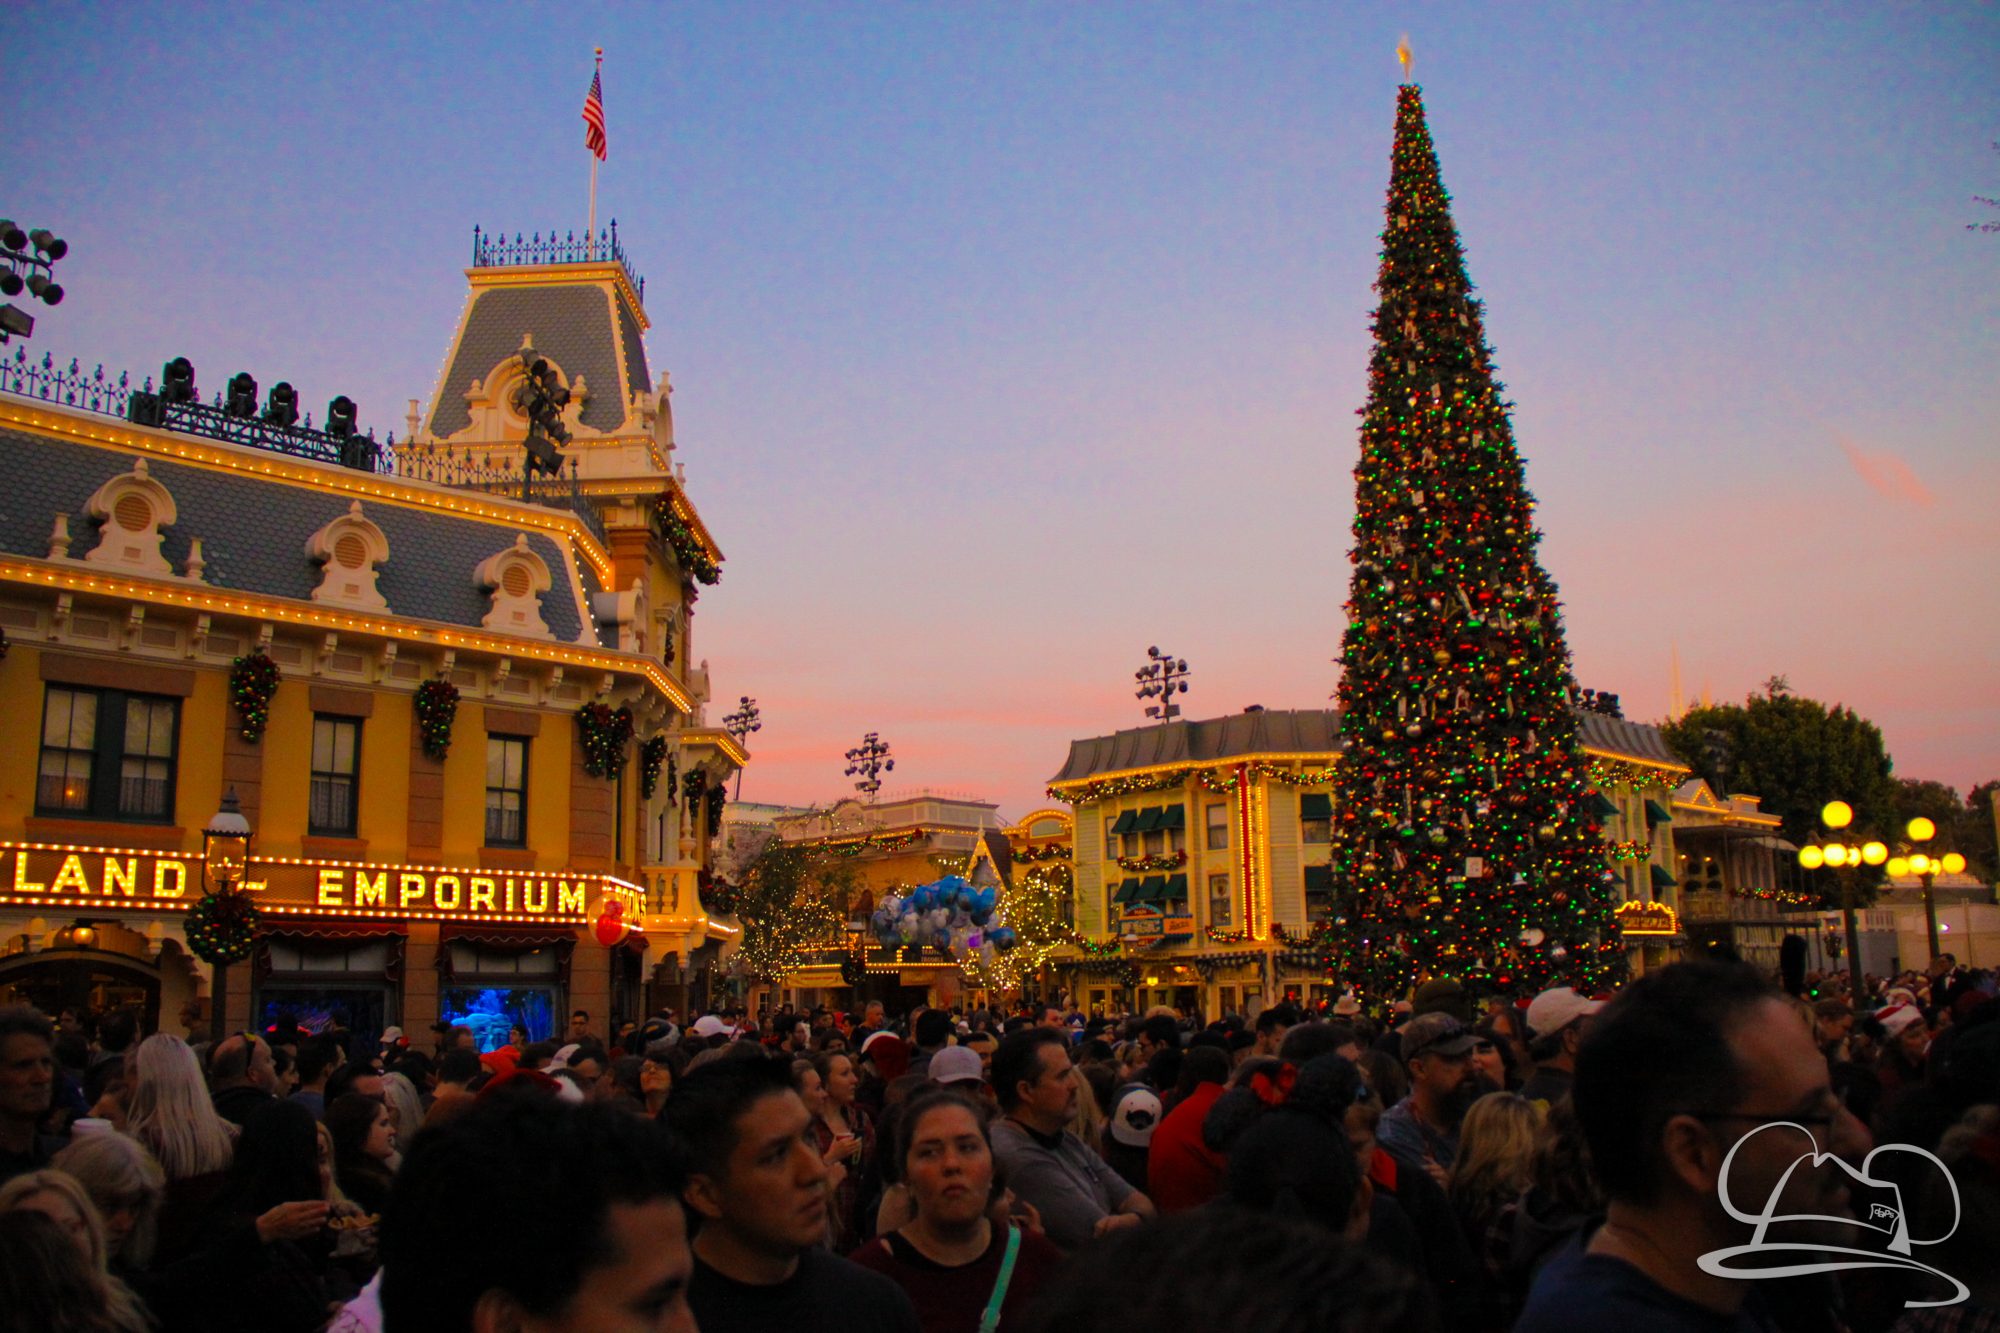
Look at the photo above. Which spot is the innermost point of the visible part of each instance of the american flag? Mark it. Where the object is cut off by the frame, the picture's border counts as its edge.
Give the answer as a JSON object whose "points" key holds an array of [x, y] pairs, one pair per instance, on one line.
{"points": [[593, 117]]}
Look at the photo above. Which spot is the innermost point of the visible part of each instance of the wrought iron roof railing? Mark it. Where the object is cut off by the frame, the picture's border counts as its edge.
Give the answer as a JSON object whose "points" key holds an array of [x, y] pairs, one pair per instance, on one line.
{"points": [[95, 391], [498, 252]]}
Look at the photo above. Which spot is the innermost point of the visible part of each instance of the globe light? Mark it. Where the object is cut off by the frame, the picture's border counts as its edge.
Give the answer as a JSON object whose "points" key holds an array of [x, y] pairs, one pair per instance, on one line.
{"points": [[1921, 829], [1920, 864], [1837, 814], [1836, 855], [1953, 863], [1812, 858], [1874, 853], [1898, 867]]}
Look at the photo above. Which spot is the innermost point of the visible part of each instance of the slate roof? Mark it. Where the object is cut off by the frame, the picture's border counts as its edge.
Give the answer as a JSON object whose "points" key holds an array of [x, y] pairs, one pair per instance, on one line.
{"points": [[637, 378], [571, 325], [1629, 740], [1279, 731], [253, 531]]}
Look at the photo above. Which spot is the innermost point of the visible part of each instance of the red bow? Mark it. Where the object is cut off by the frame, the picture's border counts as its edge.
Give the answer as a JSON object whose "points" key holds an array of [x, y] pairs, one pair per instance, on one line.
{"points": [[1273, 1091]]}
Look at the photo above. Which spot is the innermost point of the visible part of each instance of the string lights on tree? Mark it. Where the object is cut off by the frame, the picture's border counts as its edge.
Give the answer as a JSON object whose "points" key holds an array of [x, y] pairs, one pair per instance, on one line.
{"points": [[1464, 844]]}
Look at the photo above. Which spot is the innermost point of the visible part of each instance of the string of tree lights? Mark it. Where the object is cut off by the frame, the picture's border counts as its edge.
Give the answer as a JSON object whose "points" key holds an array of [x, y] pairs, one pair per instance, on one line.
{"points": [[1463, 830]]}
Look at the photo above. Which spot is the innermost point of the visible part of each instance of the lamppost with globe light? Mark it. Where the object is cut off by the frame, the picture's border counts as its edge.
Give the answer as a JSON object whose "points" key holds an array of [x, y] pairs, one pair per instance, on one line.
{"points": [[1847, 860], [1927, 868]]}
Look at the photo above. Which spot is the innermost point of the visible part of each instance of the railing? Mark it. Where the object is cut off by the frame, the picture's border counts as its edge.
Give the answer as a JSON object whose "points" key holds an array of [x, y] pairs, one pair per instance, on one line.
{"points": [[461, 469], [499, 252]]}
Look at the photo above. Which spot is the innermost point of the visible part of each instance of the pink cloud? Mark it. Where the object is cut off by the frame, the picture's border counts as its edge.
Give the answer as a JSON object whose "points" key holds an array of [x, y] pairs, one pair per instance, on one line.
{"points": [[1892, 478]]}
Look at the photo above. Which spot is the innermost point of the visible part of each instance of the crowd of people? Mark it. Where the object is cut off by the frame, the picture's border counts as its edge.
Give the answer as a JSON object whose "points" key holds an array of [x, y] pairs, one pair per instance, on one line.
{"points": [[1457, 1162]]}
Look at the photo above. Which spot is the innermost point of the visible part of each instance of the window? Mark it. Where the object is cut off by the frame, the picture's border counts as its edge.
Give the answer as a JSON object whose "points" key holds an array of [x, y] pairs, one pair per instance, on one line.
{"points": [[1319, 893], [1111, 837], [1315, 817], [1218, 826], [1218, 902], [506, 791], [107, 755], [336, 772], [1177, 838], [1156, 842]]}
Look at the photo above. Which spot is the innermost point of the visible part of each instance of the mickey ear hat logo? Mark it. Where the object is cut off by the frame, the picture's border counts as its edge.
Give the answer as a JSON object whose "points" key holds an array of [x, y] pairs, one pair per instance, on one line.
{"points": [[1818, 1256]]}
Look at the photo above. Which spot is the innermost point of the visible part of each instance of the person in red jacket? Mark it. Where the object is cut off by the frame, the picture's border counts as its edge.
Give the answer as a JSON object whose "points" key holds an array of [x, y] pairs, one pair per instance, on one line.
{"points": [[1182, 1172]]}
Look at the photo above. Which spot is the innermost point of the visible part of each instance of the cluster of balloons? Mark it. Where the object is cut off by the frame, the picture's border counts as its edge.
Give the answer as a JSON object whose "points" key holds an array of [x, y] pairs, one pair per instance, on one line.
{"points": [[952, 913]]}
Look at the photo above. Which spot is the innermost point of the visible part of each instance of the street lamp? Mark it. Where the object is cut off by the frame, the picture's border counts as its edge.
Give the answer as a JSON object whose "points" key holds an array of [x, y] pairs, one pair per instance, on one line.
{"points": [[743, 722], [1927, 868], [1847, 859], [870, 760], [1162, 678], [26, 261], [225, 857]]}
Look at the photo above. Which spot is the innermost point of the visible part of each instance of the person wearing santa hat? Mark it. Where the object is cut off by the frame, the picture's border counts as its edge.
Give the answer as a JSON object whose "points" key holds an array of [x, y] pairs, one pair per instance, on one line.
{"points": [[1903, 1054]]}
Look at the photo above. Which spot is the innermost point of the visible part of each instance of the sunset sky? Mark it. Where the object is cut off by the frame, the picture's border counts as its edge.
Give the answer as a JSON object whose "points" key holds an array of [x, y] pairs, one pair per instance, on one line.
{"points": [[1009, 339]]}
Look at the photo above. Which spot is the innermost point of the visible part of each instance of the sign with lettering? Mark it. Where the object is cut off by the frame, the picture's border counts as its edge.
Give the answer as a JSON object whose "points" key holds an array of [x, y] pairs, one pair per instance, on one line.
{"points": [[101, 877], [1637, 918]]}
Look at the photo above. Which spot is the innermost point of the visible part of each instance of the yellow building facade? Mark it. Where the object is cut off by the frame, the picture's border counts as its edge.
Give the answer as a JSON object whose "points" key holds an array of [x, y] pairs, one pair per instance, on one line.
{"points": [[216, 604]]}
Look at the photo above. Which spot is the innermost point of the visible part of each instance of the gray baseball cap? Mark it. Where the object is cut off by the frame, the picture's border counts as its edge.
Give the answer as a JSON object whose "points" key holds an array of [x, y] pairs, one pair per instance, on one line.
{"points": [[1436, 1034]]}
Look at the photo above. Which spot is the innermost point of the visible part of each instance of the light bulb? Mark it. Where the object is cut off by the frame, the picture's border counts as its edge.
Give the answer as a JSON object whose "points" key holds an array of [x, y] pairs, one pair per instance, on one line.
{"points": [[1953, 863], [1812, 858], [1837, 814], [1836, 855], [1921, 829], [1874, 853]]}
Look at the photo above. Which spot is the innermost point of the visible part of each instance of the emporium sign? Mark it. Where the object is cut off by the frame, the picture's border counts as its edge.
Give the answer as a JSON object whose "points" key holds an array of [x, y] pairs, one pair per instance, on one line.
{"points": [[74, 876]]}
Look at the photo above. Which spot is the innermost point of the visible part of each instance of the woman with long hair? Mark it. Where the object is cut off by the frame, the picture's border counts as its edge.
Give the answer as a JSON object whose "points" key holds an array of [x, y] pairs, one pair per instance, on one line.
{"points": [[58, 1197], [1496, 1152], [845, 1134], [129, 1189], [406, 1112], [364, 1142], [169, 1111], [46, 1285]]}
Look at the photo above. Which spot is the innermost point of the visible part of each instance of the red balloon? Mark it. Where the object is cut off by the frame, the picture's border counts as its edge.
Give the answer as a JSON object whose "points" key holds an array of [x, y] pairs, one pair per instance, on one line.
{"points": [[610, 927]]}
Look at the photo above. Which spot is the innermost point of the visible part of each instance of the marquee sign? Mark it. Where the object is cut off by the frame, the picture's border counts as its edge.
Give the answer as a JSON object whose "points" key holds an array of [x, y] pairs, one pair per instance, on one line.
{"points": [[110, 877], [1636, 918]]}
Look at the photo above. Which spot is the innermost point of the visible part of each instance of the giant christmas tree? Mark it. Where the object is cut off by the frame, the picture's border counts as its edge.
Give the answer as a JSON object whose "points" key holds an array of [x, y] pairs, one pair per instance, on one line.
{"points": [[1465, 844]]}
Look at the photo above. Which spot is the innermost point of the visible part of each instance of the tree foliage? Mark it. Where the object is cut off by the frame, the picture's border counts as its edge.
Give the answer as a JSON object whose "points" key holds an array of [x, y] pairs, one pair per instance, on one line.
{"points": [[1963, 826], [790, 902]]}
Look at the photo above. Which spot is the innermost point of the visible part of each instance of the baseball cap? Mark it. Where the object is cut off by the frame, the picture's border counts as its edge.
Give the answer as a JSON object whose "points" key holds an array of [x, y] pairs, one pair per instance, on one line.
{"points": [[1441, 995], [1436, 1034], [1136, 1116], [957, 1064], [708, 1025], [1554, 1010], [392, 1036]]}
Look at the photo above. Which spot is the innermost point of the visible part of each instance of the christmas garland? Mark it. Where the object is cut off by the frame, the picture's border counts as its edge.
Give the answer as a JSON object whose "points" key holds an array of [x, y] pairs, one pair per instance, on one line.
{"points": [[1141, 864], [718, 796], [437, 709], [252, 682], [1052, 852], [893, 843], [695, 788], [852, 971], [1105, 789], [716, 895], [606, 732], [652, 755], [222, 929], [1618, 773], [689, 553]]}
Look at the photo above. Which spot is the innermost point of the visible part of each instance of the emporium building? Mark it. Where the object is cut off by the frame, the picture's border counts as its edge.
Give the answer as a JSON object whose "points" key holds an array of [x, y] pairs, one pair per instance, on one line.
{"points": [[453, 699]]}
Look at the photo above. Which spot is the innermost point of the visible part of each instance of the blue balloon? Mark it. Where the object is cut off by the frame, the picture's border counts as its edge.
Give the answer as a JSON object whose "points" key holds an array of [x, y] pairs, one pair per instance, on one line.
{"points": [[980, 916]]}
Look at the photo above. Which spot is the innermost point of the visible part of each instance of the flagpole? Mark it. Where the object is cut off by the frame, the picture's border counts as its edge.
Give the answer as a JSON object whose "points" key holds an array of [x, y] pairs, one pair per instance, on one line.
{"points": [[592, 233]]}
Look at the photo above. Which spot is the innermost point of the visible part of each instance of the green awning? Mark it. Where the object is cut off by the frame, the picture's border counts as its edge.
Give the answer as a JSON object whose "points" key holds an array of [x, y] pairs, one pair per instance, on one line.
{"points": [[1604, 807], [1319, 879], [1127, 891], [1149, 819], [1126, 819], [1657, 813], [1661, 879], [1315, 805], [1152, 889], [1177, 890], [1175, 817]]}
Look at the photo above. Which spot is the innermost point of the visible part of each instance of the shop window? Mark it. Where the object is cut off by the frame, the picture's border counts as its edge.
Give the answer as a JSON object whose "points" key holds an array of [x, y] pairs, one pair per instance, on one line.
{"points": [[1219, 913], [506, 791], [1218, 826], [107, 754], [1315, 817], [336, 775], [372, 957], [346, 987], [494, 990]]}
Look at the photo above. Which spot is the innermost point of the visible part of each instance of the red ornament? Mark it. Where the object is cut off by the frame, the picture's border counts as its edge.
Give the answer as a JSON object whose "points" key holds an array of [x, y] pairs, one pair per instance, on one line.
{"points": [[611, 927]]}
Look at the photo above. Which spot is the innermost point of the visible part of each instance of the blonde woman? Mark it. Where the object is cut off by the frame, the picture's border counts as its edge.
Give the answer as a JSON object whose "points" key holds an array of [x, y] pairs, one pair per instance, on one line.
{"points": [[169, 1113], [129, 1189], [406, 1113], [1088, 1126], [1496, 1153], [62, 1200]]}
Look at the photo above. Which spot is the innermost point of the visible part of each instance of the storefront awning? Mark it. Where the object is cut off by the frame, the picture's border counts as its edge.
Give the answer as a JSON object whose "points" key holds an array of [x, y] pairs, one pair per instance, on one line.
{"points": [[1126, 819], [1315, 805], [1603, 806], [1663, 880], [1177, 888], [1175, 817], [1152, 890], [1657, 813], [1127, 891], [1319, 879], [1149, 819]]}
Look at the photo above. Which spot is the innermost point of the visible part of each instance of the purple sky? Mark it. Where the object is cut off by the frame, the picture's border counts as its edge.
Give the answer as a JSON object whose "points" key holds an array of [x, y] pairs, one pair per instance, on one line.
{"points": [[1009, 339]]}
